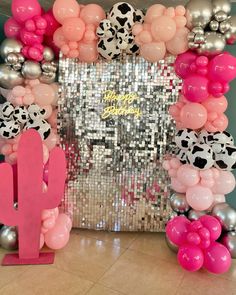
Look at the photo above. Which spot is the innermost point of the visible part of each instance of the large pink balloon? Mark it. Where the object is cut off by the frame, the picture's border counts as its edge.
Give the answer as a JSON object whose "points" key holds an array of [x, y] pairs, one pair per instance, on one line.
{"points": [[179, 43], [183, 62], [177, 229], [224, 184], [25, 9], [199, 197], [64, 220], [88, 51], [63, 9], [190, 257], [195, 88], [12, 28], [178, 186], [154, 12], [193, 116], [57, 237], [73, 28], [153, 52], [213, 225], [163, 28], [217, 258], [92, 14], [43, 93], [52, 23], [188, 175]]}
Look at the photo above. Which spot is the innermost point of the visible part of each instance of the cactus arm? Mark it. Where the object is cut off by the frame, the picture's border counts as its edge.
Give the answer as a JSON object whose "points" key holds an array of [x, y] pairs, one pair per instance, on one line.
{"points": [[8, 214], [56, 181]]}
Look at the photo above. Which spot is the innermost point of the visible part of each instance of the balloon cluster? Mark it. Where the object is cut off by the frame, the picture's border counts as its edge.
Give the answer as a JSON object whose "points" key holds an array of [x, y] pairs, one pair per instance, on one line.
{"points": [[197, 244], [211, 25], [115, 32], [164, 31], [204, 76], [76, 37], [31, 26]]}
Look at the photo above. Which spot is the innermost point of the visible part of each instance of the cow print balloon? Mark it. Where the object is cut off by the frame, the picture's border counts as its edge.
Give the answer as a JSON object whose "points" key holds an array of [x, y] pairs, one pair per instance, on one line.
{"points": [[181, 155], [20, 114], [201, 156], [36, 112], [42, 126], [108, 48], [7, 110], [105, 29], [9, 129], [217, 137], [139, 16], [226, 160], [185, 138]]}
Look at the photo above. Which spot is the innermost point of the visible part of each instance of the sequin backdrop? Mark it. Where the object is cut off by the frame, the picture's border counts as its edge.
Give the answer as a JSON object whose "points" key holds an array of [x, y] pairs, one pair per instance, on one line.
{"points": [[115, 177]]}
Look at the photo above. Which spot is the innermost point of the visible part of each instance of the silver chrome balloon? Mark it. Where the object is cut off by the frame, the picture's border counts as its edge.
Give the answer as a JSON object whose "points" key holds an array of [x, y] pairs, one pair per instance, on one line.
{"points": [[171, 245], [221, 5], [224, 26], [9, 237], [231, 33], [198, 13], [48, 54], [226, 215], [194, 215], [9, 78], [179, 203], [228, 239], [47, 79], [214, 44], [10, 46], [31, 70], [214, 25], [220, 16]]}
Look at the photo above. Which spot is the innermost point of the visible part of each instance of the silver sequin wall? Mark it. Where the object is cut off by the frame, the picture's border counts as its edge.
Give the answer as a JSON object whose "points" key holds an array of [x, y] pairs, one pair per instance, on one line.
{"points": [[115, 176]]}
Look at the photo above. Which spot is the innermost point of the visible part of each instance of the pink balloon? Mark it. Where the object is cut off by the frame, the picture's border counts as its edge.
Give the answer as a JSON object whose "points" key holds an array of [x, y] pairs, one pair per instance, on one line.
{"points": [[88, 52], [73, 28], [213, 225], [190, 257], [92, 14], [63, 9], [49, 223], [195, 88], [178, 186], [183, 62], [57, 237], [153, 52], [179, 43], [41, 243], [59, 38], [43, 93], [52, 24], [163, 28], [188, 175], [25, 9], [45, 154], [177, 229], [154, 12], [193, 115], [218, 105], [224, 184], [217, 258], [30, 38], [199, 198], [12, 28], [64, 220], [51, 141]]}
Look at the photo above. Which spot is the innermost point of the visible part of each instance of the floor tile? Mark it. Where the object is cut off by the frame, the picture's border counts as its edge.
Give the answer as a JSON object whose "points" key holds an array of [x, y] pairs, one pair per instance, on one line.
{"points": [[87, 257], [45, 280], [139, 274], [154, 244], [101, 290]]}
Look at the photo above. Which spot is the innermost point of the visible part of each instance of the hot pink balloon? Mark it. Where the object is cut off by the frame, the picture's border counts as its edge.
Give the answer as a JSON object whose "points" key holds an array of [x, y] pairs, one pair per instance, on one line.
{"points": [[183, 62], [199, 197], [73, 28], [193, 116], [88, 52], [188, 175], [217, 258], [92, 14], [12, 28], [224, 184], [57, 237], [190, 257], [213, 225], [23, 10], [63, 9], [153, 52], [179, 43], [177, 229], [163, 28], [30, 38], [195, 88], [52, 23]]}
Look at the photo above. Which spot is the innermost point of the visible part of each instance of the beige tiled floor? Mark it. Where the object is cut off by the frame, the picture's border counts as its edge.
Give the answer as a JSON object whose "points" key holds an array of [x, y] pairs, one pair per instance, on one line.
{"points": [[101, 263]]}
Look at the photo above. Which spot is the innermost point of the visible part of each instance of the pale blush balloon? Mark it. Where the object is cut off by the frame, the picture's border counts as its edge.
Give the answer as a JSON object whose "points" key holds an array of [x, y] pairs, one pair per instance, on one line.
{"points": [[180, 21], [41, 243], [153, 52], [199, 198], [145, 37], [163, 28], [137, 29], [92, 14], [179, 43], [57, 237], [178, 186], [58, 37], [88, 52], [153, 12], [63, 9], [224, 184], [49, 223], [187, 175], [43, 94], [193, 115], [51, 141], [73, 28]]}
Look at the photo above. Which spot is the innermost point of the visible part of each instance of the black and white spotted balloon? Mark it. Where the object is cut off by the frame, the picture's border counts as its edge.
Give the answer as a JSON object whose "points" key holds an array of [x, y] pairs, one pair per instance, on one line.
{"points": [[7, 111], [41, 125], [20, 114], [185, 138], [9, 129], [226, 160], [201, 156]]}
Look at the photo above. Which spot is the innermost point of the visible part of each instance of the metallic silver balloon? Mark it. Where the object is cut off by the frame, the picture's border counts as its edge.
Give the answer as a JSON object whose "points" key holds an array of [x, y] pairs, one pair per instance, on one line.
{"points": [[48, 54], [179, 203], [48, 79], [224, 26], [9, 237], [228, 239], [226, 215], [198, 13], [171, 245], [194, 215], [11, 58], [214, 25], [231, 33], [31, 70], [221, 5], [9, 78], [220, 16], [10, 46], [214, 44]]}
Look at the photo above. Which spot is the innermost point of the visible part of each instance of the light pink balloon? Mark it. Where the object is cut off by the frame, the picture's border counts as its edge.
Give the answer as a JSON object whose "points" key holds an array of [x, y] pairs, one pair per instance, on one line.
{"points": [[92, 14], [63, 9], [179, 43], [12, 28], [88, 52], [51, 141], [23, 10], [177, 186], [218, 105], [193, 115], [218, 199], [58, 38], [64, 220], [73, 28], [153, 12], [163, 28], [187, 175], [41, 243], [43, 93], [153, 52], [199, 198], [224, 184], [57, 237], [49, 223]]}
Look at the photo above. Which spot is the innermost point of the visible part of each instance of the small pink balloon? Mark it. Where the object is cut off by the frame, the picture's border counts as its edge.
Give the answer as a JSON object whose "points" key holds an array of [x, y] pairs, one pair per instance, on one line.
{"points": [[179, 43], [154, 12], [190, 257], [193, 238], [49, 222], [63, 9], [41, 243], [180, 21], [199, 198], [30, 38], [92, 14], [224, 184], [6, 149], [217, 258], [23, 10], [145, 37], [218, 105], [52, 120], [183, 62], [137, 29], [193, 115], [218, 199], [163, 28], [52, 24], [88, 52], [195, 88], [188, 175], [153, 52], [213, 225], [177, 229], [57, 237], [43, 94], [64, 220], [177, 186], [51, 141], [12, 28], [221, 123], [28, 99], [73, 28], [175, 163]]}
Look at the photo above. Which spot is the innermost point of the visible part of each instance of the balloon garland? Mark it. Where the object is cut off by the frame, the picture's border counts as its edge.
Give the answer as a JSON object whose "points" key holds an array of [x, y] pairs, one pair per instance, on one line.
{"points": [[200, 170]]}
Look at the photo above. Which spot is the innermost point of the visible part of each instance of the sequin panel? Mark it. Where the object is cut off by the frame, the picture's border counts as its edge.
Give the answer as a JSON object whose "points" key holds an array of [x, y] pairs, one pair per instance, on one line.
{"points": [[115, 177]]}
